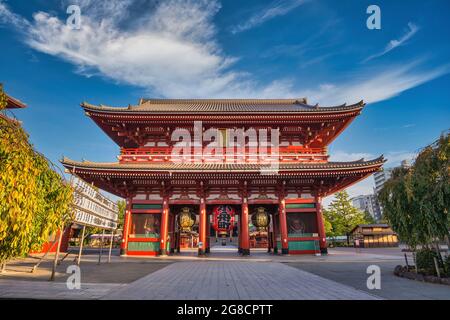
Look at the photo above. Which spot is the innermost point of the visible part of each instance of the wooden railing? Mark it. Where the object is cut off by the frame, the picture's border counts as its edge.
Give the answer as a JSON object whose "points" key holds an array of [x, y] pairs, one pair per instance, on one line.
{"points": [[168, 150], [285, 153]]}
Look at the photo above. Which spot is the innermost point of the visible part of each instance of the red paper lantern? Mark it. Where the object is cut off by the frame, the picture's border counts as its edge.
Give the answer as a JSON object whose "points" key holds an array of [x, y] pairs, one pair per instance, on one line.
{"points": [[223, 219]]}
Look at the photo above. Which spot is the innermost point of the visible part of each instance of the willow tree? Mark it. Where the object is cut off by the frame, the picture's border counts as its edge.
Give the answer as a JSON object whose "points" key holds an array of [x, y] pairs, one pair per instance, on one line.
{"points": [[35, 201], [396, 197], [416, 201], [431, 188]]}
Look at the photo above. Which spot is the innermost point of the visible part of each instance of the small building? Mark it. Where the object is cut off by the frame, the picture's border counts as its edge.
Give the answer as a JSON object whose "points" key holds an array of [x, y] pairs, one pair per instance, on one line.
{"points": [[373, 236]]}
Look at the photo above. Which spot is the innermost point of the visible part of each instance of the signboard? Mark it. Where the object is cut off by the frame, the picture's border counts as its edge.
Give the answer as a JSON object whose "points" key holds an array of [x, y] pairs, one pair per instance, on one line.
{"points": [[91, 208]]}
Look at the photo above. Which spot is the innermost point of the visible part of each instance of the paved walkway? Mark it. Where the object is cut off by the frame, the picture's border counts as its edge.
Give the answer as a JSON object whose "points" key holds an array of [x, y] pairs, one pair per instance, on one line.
{"points": [[392, 287], [17, 289], [216, 280], [222, 275]]}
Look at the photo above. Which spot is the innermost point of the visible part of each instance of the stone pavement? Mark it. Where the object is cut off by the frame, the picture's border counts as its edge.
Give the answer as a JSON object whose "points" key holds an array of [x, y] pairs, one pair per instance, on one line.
{"points": [[240, 277], [17, 289], [214, 280], [392, 287]]}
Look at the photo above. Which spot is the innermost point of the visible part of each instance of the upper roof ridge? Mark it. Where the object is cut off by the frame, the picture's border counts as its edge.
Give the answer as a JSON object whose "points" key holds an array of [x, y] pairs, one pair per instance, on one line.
{"points": [[298, 105], [248, 101]]}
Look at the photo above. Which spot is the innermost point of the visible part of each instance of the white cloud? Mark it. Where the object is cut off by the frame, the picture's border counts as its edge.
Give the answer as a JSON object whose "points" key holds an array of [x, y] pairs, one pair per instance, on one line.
{"points": [[171, 51], [8, 17], [275, 9], [373, 86], [412, 30]]}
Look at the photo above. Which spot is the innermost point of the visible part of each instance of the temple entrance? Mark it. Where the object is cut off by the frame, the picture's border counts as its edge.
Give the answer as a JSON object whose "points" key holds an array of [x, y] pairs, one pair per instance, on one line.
{"points": [[261, 227], [223, 228], [240, 228], [184, 231]]}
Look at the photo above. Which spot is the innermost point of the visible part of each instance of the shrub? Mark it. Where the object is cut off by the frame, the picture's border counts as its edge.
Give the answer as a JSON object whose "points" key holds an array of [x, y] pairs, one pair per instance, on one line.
{"points": [[425, 261], [447, 265]]}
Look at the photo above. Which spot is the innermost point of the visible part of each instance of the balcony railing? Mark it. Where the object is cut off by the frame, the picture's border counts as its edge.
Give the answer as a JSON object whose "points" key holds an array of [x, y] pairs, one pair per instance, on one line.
{"points": [[164, 154]]}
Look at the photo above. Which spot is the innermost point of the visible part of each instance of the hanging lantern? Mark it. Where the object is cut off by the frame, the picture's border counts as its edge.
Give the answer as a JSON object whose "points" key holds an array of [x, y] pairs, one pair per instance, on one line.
{"points": [[223, 219], [261, 219], [186, 219]]}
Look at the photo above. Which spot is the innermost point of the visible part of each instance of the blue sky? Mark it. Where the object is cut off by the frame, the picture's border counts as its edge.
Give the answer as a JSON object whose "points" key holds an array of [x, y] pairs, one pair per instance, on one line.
{"points": [[321, 49]]}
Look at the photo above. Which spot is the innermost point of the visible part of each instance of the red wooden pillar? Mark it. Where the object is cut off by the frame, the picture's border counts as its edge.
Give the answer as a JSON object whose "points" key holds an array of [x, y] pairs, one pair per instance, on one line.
{"points": [[164, 227], [283, 227], [275, 232], [126, 227], [178, 241], [202, 228], [172, 233], [245, 241], [208, 235], [239, 231], [321, 227]]}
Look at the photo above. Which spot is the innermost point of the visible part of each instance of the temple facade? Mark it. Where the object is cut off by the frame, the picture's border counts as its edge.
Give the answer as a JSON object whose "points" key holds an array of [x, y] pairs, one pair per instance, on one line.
{"points": [[172, 186]]}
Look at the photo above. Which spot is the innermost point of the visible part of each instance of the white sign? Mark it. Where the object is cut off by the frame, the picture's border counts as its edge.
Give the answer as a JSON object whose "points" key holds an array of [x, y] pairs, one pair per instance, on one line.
{"points": [[91, 207]]}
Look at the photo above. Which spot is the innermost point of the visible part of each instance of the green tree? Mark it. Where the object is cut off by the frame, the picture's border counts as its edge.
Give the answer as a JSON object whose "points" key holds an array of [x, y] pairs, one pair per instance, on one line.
{"points": [[368, 217], [416, 200], [328, 227], [122, 206], [397, 200], [34, 199], [342, 215], [430, 184]]}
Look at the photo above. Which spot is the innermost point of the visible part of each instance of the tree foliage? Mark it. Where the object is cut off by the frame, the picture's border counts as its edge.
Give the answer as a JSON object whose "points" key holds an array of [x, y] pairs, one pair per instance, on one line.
{"points": [[368, 217], [416, 201], [34, 199], [121, 204], [342, 215], [3, 99]]}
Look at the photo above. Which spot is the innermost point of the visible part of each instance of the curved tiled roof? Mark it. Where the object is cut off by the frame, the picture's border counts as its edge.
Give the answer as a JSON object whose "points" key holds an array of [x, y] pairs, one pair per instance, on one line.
{"points": [[223, 106], [218, 167]]}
